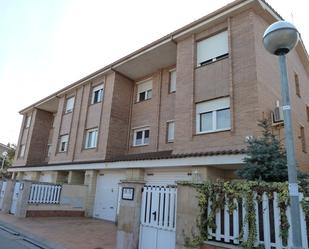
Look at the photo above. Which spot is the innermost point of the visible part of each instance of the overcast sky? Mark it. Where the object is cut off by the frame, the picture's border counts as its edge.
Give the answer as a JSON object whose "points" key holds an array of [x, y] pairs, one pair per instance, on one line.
{"points": [[48, 44]]}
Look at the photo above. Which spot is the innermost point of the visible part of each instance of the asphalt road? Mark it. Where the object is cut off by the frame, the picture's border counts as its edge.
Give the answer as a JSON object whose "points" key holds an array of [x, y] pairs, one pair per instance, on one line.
{"points": [[9, 241]]}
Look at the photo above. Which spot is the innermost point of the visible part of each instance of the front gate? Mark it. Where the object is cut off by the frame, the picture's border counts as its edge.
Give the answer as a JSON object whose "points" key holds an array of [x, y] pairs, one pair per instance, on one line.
{"points": [[2, 192], [158, 218], [15, 197]]}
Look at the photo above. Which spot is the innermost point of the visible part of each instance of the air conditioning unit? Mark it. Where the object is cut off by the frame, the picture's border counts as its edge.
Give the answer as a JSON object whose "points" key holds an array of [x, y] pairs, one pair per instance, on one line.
{"points": [[277, 114]]}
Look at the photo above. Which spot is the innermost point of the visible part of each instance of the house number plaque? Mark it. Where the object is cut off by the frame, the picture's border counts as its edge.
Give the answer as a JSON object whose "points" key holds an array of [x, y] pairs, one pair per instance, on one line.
{"points": [[127, 193]]}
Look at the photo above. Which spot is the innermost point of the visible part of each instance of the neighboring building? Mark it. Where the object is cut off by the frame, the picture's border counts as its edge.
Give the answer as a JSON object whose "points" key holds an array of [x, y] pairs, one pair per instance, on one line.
{"points": [[179, 108], [3, 148]]}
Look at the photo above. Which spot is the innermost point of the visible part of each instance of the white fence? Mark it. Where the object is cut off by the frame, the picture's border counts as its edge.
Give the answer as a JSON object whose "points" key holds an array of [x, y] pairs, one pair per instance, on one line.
{"points": [[230, 226], [44, 194]]}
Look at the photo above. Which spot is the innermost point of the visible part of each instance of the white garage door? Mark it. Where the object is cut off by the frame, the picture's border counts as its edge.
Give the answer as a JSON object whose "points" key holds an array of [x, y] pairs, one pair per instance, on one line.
{"points": [[107, 195], [46, 177], [27, 176], [164, 177]]}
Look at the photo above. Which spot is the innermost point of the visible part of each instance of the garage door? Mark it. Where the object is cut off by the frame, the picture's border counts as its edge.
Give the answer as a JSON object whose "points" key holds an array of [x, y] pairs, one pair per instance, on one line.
{"points": [[107, 195], [46, 177], [27, 176], [164, 177]]}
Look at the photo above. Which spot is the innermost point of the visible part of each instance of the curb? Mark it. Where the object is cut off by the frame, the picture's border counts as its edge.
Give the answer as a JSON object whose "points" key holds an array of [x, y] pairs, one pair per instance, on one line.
{"points": [[30, 238]]}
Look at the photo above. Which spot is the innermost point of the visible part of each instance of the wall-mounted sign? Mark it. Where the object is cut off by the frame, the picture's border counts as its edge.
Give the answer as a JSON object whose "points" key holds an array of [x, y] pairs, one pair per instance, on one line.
{"points": [[127, 193]]}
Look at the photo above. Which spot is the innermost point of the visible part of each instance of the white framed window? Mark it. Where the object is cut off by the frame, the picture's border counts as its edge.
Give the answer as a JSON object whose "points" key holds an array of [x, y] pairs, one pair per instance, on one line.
{"points": [[63, 143], [69, 104], [212, 48], [141, 137], [144, 90], [49, 148], [213, 115], [97, 94], [170, 131], [172, 83], [91, 138], [28, 121], [22, 150]]}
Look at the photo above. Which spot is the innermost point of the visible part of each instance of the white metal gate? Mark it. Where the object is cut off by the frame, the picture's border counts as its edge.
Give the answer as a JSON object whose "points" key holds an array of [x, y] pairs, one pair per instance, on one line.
{"points": [[158, 218], [2, 192], [15, 197]]}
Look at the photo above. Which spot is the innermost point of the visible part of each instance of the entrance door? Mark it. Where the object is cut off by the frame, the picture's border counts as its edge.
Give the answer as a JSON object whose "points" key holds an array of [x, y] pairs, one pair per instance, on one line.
{"points": [[107, 195], [3, 188], [158, 218], [15, 198]]}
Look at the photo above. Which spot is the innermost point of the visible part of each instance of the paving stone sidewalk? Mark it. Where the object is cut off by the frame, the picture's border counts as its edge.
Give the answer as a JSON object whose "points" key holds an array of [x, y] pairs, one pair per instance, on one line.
{"points": [[65, 232]]}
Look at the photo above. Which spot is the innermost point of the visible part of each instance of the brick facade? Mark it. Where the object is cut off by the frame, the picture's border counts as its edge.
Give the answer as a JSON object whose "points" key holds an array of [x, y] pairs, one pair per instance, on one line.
{"points": [[249, 76]]}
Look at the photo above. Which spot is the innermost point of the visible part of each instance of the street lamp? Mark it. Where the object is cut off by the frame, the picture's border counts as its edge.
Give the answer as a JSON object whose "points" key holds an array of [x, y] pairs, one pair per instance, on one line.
{"points": [[4, 155], [279, 39]]}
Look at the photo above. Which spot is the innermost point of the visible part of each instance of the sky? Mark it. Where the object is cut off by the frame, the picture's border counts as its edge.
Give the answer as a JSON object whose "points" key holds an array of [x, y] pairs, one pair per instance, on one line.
{"points": [[46, 45]]}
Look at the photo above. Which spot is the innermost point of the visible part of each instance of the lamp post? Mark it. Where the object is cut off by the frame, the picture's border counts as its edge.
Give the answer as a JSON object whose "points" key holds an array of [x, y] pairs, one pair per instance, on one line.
{"points": [[4, 155], [279, 39]]}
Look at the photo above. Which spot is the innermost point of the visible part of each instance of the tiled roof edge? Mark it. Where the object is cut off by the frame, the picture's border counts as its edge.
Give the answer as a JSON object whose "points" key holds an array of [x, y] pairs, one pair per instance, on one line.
{"points": [[145, 156]]}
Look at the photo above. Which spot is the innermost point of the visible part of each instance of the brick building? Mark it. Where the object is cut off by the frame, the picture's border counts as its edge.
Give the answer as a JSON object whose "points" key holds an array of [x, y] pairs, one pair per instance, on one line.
{"points": [[179, 108]]}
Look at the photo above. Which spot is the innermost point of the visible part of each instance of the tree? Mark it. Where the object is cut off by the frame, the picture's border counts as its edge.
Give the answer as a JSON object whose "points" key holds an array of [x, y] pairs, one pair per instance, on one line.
{"points": [[266, 158], [8, 160]]}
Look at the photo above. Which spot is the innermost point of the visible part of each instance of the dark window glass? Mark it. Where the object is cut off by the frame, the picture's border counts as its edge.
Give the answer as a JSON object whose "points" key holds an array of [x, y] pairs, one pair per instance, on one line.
{"points": [[142, 96], [146, 133], [139, 135]]}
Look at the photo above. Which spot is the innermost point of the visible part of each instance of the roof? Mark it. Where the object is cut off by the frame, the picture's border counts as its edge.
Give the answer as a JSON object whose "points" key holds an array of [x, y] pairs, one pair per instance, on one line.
{"points": [[170, 37], [159, 155], [169, 155]]}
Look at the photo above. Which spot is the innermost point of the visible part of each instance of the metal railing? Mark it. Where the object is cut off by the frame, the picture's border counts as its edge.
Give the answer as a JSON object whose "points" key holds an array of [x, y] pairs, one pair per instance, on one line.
{"points": [[45, 194]]}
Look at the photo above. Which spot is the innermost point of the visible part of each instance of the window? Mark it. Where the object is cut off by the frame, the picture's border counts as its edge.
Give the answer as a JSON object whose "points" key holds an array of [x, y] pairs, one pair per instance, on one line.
{"points": [[170, 131], [91, 138], [49, 147], [63, 144], [213, 115], [307, 111], [141, 137], [297, 87], [69, 105], [172, 85], [28, 121], [97, 94], [22, 150], [212, 48], [303, 139], [144, 90]]}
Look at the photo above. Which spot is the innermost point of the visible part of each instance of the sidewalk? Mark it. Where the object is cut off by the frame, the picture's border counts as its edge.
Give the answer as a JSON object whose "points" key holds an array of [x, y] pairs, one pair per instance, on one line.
{"points": [[65, 232]]}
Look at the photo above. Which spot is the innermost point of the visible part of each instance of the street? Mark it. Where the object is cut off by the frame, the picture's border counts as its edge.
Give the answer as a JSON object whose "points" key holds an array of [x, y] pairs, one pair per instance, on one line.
{"points": [[9, 241]]}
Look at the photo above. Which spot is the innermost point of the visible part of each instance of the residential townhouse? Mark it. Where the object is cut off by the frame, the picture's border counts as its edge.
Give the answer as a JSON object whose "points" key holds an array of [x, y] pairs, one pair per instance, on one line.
{"points": [[180, 108]]}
